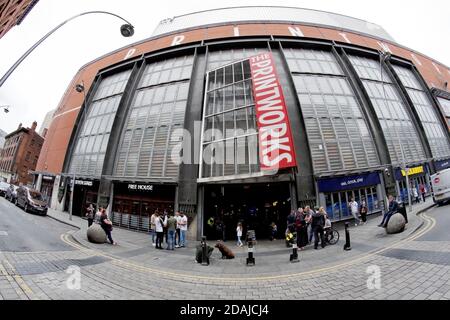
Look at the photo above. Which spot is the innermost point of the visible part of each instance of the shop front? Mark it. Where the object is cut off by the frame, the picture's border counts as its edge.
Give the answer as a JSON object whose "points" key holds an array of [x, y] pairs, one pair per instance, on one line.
{"points": [[256, 206], [85, 193], [135, 202], [417, 176], [47, 188], [335, 194]]}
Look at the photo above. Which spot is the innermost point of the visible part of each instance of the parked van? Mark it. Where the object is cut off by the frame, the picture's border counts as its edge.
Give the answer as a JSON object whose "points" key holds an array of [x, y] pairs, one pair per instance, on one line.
{"points": [[31, 201], [441, 186]]}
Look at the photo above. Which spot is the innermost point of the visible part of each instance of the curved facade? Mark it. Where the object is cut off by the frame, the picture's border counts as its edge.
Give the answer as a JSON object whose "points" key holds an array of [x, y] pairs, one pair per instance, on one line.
{"points": [[244, 113]]}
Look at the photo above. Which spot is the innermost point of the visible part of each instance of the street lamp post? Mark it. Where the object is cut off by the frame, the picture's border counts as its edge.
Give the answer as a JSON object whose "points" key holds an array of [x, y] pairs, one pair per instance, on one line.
{"points": [[407, 178], [127, 30]]}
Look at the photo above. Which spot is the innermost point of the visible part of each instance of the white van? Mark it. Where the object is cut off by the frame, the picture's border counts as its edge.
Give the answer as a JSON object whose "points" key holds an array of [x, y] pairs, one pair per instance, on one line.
{"points": [[441, 186]]}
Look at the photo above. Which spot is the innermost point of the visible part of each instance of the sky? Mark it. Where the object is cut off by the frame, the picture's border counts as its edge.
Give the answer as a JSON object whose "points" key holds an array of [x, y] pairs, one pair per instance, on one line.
{"points": [[38, 84]]}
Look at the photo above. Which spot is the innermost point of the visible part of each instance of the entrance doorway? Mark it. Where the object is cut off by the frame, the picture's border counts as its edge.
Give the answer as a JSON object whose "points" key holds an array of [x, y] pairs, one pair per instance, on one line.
{"points": [[255, 205]]}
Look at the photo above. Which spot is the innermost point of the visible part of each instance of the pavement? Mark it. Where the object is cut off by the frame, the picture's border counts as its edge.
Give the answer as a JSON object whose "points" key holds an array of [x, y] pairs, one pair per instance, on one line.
{"points": [[412, 265], [272, 258]]}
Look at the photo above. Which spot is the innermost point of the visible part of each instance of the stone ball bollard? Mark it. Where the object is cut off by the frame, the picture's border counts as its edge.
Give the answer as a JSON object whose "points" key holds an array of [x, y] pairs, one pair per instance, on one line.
{"points": [[96, 234], [396, 224]]}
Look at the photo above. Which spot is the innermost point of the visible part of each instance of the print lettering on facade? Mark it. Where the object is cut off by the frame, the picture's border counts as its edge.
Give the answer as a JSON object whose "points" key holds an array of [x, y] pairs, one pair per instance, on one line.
{"points": [[296, 32], [177, 40], [129, 54], [275, 139], [343, 35]]}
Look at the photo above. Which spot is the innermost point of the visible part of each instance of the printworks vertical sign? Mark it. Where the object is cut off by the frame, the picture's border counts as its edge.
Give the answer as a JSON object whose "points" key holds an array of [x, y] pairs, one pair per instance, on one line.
{"points": [[276, 148]]}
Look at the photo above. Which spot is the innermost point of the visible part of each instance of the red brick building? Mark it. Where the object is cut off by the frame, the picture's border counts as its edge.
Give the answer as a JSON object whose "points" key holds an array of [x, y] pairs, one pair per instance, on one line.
{"points": [[20, 154], [12, 13]]}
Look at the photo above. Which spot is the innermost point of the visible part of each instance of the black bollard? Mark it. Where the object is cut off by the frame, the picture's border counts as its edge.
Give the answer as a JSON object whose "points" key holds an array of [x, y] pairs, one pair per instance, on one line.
{"points": [[347, 246], [250, 243], [294, 256], [205, 259]]}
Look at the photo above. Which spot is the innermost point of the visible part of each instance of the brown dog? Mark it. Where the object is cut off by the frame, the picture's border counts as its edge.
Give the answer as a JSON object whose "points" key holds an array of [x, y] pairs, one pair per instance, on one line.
{"points": [[226, 252]]}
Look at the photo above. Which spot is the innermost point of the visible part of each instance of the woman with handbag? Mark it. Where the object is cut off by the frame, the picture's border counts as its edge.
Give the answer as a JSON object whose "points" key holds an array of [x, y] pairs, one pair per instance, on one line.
{"points": [[107, 226]]}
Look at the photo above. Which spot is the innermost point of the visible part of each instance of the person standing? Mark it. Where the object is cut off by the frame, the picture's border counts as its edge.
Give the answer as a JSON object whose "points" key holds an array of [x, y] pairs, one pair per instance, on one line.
{"points": [[318, 223], [106, 225], [393, 208], [308, 218], [415, 194], [153, 226], [423, 191], [363, 211], [90, 214], [302, 229], [159, 227], [273, 231], [183, 229], [354, 209], [239, 234], [177, 235], [171, 230]]}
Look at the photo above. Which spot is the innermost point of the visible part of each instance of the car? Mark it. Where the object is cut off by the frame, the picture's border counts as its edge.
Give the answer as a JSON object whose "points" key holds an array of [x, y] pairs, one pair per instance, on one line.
{"points": [[3, 188], [441, 186], [11, 193], [31, 201]]}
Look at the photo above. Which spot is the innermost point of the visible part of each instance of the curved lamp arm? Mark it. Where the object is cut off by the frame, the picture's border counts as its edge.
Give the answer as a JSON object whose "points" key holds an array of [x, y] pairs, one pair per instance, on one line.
{"points": [[19, 61]]}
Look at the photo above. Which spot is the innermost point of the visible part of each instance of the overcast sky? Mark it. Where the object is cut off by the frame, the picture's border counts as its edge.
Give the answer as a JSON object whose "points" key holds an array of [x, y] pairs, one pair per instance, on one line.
{"points": [[38, 84]]}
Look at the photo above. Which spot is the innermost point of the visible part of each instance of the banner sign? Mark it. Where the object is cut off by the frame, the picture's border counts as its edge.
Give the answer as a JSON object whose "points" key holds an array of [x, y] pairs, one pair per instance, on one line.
{"points": [[276, 147], [400, 173], [441, 165], [348, 183]]}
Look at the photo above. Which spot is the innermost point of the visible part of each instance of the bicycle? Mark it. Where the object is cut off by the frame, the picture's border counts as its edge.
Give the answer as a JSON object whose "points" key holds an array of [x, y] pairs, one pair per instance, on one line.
{"points": [[331, 236]]}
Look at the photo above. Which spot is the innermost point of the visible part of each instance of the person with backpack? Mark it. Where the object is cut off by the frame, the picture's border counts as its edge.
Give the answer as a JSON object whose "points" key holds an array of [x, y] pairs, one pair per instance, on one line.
{"points": [[317, 224]]}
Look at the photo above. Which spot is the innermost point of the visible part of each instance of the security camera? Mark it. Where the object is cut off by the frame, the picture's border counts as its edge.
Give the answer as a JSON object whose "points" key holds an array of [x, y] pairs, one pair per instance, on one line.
{"points": [[6, 110], [386, 172]]}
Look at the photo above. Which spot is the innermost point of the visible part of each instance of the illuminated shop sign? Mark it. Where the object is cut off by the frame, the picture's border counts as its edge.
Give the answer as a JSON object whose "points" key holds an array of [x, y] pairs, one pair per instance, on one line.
{"points": [[84, 183], [276, 146], [400, 174], [140, 187]]}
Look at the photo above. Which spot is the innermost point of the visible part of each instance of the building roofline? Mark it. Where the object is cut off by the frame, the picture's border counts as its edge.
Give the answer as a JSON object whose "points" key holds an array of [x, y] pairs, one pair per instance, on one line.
{"points": [[26, 130], [152, 38]]}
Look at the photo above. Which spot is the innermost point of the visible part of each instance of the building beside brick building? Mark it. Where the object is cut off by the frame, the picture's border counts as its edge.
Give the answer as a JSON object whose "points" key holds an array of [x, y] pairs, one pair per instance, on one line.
{"points": [[20, 155], [46, 123], [13, 12], [283, 107]]}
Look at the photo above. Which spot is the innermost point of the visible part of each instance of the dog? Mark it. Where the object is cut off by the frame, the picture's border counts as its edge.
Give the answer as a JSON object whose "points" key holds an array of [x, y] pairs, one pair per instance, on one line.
{"points": [[225, 251]]}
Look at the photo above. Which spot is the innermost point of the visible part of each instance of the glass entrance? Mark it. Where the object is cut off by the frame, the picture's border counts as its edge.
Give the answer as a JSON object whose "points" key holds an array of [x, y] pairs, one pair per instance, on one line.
{"points": [[255, 205]]}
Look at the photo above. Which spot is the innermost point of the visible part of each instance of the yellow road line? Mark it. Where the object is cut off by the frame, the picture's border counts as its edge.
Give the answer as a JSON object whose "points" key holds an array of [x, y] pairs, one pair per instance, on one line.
{"points": [[18, 279], [430, 223]]}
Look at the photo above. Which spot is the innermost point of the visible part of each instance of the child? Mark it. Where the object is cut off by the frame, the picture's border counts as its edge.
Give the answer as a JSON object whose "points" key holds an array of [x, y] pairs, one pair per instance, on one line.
{"points": [[239, 234], [327, 226], [274, 231]]}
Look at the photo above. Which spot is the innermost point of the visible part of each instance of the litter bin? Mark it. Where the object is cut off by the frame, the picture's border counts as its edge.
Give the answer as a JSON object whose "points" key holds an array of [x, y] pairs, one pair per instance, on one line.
{"points": [[402, 211]]}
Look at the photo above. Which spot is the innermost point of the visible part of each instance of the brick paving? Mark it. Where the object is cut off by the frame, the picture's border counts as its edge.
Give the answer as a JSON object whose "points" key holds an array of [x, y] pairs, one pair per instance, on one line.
{"points": [[131, 272]]}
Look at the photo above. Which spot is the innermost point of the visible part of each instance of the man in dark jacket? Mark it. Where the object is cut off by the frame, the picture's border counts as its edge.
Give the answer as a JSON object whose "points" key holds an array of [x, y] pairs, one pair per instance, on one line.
{"points": [[317, 224], [393, 208]]}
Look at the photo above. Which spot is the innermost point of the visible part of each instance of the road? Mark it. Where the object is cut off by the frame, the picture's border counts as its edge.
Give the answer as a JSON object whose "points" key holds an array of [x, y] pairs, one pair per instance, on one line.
{"points": [[34, 264], [25, 232]]}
